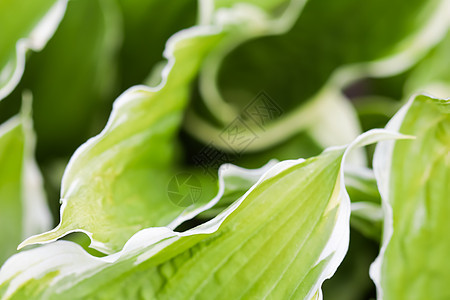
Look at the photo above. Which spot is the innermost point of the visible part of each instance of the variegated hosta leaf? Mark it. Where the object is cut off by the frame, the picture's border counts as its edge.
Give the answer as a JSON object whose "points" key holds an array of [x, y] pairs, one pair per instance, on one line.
{"points": [[23, 209], [75, 70], [282, 239], [366, 216], [233, 182], [24, 25], [319, 58], [413, 177], [116, 183], [360, 183]]}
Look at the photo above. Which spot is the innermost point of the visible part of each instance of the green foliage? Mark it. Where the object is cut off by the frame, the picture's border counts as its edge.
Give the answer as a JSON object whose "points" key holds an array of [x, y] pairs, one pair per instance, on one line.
{"points": [[155, 205], [12, 144], [25, 25], [22, 207], [413, 178]]}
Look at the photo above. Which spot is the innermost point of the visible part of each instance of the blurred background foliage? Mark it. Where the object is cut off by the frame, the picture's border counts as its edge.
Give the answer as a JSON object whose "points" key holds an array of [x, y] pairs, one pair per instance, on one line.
{"points": [[103, 47]]}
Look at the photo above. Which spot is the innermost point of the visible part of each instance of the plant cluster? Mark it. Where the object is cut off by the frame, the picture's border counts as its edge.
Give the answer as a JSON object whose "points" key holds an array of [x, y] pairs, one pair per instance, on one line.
{"points": [[253, 148]]}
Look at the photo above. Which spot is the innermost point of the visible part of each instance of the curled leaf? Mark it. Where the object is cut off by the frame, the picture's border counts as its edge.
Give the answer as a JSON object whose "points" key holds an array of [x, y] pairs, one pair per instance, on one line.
{"points": [[281, 239], [413, 178]]}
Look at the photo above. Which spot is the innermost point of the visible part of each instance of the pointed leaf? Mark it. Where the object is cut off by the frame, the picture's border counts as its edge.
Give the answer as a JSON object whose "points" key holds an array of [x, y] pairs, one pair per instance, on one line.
{"points": [[117, 183]]}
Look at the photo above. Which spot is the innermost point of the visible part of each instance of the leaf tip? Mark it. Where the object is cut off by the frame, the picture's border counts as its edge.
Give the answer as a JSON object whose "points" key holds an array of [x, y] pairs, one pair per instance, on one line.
{"points": [[43, 238]]}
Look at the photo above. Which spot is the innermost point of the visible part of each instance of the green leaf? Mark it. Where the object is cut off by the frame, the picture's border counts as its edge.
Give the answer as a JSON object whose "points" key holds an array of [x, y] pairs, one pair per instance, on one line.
{"points": [[431, 75], [413, 177], [11, 159], [236, 182], [338, 111], [25, 25], [23, 209], [116, 183], [318, 58], [282, 239], [360, 183], [76, 70]]}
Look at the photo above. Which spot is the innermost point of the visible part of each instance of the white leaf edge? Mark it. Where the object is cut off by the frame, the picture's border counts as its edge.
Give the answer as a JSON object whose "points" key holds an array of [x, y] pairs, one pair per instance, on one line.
{"points": [[344, 128], [71, 259], [226, 170], [130, 95], [298, 120], [36, 213], [35, 41], [382, 164], [273, 26], [224, 17], [339, 240], [337, 124]]}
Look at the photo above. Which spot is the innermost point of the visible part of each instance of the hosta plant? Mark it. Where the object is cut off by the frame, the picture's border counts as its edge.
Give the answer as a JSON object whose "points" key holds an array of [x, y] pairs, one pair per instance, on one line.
{"points": [[274, 149]]}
